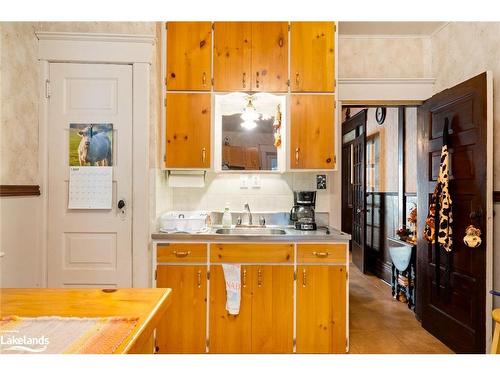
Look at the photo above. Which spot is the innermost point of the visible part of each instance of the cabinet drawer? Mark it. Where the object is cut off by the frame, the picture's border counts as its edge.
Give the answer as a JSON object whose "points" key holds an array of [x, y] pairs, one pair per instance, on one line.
{"points": [[322, 253], [251, 253], [181, 253]]}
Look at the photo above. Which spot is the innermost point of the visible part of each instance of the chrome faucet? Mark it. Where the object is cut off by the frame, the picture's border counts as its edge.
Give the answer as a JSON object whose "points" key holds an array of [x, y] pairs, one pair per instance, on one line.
{"points": [[247, 209]]}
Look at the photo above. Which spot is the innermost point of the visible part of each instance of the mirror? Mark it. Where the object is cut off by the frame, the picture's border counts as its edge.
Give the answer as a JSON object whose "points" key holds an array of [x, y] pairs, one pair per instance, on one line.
{"points": [[250, 131]]}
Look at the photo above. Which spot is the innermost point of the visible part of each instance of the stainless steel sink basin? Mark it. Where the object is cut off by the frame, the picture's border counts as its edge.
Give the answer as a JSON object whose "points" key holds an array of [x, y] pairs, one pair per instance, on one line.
{"points": [[250, 231]]}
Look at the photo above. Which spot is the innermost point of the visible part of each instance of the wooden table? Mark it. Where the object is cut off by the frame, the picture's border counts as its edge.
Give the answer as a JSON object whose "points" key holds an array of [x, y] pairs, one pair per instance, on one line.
{"points": [[149, 305], [495, 345]]}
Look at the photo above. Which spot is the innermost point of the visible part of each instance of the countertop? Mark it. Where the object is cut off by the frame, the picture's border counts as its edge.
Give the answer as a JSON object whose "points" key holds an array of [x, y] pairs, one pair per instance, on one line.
{"points": [[292, 235], [148, 305]]}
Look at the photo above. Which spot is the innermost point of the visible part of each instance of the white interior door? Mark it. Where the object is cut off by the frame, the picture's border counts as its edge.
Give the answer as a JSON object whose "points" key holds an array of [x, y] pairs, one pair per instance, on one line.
{"points": [[89, 248]]}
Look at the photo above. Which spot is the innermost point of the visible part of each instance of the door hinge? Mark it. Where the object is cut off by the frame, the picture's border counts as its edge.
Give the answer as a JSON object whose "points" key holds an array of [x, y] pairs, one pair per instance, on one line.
{"points": [[294, 342], [165, 158], [346, 344], [165, 103], [213, 26], [166, 25], [212, 80], [156, 274], [335, 160], [295, 275], [207, 341], [47, 88], [288, 82], [334, 27], [335, 104], [165, 81], [208, 275], [289, 27], [347, 275]]}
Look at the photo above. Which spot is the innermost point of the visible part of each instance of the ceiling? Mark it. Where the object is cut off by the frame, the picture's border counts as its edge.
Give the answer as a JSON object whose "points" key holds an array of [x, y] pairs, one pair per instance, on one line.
{"points": [[389, 28]]}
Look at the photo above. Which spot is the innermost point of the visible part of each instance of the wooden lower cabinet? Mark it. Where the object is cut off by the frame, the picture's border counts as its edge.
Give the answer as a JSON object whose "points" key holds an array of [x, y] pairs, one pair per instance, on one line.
{"points": [[321, 309], [230, 333], [183, 329], [265, 321], [272, 309]]}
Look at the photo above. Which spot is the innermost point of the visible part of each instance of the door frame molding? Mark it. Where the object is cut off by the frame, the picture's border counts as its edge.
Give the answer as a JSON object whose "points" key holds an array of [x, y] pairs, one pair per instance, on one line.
{"points": [[134, 50], [413, 91]]}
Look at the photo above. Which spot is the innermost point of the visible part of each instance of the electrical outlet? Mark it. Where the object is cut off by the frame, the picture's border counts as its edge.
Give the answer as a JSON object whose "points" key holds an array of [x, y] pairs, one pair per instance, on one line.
{"points": [[321, 181], [255, 181], [243, 181]]}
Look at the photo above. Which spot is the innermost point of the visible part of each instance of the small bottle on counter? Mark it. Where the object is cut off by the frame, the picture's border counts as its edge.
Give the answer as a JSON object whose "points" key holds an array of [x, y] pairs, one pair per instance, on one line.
{"points": [[226, 217]]}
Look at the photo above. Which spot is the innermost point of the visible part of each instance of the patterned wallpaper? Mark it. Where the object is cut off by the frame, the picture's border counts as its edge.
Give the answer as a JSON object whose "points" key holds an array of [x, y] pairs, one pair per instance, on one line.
{"points": [[462, 50], [19, 92], [384, 57]]}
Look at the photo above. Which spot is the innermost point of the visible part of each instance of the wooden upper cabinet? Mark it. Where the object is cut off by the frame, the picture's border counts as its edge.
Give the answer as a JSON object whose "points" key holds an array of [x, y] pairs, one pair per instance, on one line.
{"points": [[232, 56], [189, 52], [188, 130], [251, 56], [312, 133], [269, 56], [321, 309], [312, 57]]}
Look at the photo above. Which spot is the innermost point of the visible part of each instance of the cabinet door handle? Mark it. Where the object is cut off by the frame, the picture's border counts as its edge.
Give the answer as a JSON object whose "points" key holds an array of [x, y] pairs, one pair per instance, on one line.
{"points": [[203, 154], [181, 254], [259, 278], [321, 254], [244, 80], [244, 277], [297, 80], [257, 79], [204, 79], [297, 150], [304, 278], [199, 278]]}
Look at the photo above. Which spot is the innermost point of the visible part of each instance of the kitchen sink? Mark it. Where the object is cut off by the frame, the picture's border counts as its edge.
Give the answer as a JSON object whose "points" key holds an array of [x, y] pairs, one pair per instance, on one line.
{"points": [[249, 231]]}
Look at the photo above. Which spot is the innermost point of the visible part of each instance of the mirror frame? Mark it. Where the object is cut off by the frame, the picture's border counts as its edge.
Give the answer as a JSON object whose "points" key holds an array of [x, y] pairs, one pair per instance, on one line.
{"points": [[231, 103]]}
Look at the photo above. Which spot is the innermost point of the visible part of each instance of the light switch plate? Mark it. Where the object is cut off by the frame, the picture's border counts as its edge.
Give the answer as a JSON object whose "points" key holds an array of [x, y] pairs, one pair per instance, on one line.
{"points": [[243, 181], [255, 181]]}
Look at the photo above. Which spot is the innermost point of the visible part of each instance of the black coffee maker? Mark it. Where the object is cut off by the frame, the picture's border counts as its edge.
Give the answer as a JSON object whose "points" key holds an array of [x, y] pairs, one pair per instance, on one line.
{"points": [[302, 212]]}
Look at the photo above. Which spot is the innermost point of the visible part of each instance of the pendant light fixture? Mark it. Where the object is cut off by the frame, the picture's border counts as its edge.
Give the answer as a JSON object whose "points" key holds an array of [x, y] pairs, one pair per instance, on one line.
{"points": [[249, 115]]}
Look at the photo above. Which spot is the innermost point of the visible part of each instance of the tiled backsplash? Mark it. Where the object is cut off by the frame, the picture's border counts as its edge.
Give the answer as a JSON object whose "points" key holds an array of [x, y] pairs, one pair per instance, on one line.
{"points": [[275, 193]]}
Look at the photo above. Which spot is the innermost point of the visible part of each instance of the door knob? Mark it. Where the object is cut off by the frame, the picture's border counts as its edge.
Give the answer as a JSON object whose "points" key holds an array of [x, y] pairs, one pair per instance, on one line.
{"points": [[121, 204]]}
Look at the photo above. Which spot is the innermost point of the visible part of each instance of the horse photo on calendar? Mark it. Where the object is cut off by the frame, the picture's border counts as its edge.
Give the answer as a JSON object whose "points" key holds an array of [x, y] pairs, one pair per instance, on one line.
{"points": [[91, 144]]}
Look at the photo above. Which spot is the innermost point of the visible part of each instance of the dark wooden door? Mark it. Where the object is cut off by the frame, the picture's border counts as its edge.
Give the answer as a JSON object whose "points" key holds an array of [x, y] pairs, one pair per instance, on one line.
{"points": [[452, 302], [353, 185]]}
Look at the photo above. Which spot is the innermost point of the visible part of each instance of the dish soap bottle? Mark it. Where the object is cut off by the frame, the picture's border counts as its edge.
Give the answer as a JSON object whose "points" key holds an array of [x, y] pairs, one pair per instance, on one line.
{"points": [[226, 217]]}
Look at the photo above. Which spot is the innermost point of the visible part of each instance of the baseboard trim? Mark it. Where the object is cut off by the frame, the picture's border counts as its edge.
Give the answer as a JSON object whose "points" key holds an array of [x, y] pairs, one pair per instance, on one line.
{"points": [[19, 190]]}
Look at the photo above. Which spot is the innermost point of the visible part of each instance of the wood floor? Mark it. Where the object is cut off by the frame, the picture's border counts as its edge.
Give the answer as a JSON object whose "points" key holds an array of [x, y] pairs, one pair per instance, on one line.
{"points": [[381, 325]]}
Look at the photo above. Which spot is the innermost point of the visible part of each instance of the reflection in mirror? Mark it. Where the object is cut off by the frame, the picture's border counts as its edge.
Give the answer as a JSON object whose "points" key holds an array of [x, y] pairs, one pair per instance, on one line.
{"points": [[249, 138], [248, 148]]}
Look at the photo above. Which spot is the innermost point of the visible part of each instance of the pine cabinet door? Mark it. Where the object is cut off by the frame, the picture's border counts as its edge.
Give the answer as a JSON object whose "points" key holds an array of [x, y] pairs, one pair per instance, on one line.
{"points": [[230, 333], [312, 57], [188, 130], [321, 309], [272, 309], [183, 329], [269, 56], [312, 134], [232, 56], [189, 54]]}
